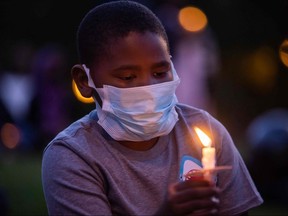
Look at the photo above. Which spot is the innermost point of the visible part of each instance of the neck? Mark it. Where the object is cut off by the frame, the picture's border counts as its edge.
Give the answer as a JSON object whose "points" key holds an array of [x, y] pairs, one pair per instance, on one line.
{"points": [[141, 145]]}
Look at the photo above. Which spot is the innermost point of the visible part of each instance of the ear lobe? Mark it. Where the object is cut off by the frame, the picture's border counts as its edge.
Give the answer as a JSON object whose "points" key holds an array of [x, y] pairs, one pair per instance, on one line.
{"points": [[81, 80]]}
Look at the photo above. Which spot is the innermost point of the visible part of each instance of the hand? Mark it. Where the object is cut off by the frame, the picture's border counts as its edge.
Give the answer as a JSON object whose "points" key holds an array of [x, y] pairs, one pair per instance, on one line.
{"points": [[194, 197]]}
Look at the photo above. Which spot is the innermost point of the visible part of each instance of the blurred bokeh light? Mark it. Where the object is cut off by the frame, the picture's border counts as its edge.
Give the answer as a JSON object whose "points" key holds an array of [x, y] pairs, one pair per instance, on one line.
{"points": [[10, 135], [192, 19], [79, 96], [283, 52], [261, 68]]}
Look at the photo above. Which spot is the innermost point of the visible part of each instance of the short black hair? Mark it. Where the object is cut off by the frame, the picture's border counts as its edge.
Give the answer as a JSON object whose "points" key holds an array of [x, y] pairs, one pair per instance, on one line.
{"points": [[110, 21]]}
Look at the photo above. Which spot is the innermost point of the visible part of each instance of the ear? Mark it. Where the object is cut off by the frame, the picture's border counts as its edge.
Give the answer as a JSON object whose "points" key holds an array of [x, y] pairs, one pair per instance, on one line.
{"points": [[81, 80]]}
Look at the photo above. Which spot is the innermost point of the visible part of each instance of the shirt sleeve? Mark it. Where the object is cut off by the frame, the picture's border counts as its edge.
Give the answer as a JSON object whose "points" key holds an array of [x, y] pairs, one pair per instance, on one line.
{"points": [[71, 186], [238, 192]]}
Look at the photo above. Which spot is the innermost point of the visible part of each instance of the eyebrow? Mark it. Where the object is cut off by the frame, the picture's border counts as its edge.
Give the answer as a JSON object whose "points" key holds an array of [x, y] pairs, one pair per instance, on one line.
{"points": [[161, 64], [135, 67], [126, 67]]}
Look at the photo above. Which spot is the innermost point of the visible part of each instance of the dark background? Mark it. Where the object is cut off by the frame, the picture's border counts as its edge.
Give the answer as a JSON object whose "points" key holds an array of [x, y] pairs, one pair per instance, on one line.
{"points": [[242, 28]]}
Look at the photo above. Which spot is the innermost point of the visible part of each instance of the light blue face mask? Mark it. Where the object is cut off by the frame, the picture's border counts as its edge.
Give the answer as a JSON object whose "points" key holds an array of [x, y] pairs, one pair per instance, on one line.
{"points": [[138, 113]]}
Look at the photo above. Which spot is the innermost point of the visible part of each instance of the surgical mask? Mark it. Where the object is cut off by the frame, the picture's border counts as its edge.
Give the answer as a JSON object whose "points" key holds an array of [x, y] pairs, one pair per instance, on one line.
{"points": [[137, 113]]}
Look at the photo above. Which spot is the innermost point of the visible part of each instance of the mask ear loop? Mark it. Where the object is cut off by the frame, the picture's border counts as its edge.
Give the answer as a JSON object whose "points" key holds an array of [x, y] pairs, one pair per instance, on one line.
{"points": [[174, 73], [91, 84], [90, 81]]}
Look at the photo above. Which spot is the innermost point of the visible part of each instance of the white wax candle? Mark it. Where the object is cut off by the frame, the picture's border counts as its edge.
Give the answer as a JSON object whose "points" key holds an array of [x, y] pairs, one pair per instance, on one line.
{"points": [[208, 157]]}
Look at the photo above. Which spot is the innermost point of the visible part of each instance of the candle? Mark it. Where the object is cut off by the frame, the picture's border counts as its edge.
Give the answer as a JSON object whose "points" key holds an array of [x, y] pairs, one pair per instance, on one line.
{"points": [[208, 152], [208, 158]]}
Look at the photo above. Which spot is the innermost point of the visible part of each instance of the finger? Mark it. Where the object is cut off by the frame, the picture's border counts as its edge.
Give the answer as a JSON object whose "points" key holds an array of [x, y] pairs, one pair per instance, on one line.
{"points": [[194, 193], [203, 205], [212, 212]]}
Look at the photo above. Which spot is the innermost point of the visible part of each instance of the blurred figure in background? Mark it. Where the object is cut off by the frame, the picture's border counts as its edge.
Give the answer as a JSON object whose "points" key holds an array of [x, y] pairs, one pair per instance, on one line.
{"points": [[52, 102], [197, 62], [196, 58], [16, 94], [268, 162]]}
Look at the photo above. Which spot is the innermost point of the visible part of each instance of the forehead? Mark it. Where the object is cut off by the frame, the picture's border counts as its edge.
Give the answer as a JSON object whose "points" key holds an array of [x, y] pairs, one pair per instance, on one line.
{"points": [[136, 47]]}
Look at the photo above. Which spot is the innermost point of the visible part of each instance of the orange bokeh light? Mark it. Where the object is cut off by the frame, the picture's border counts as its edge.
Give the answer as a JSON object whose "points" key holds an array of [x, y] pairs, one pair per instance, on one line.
{"points": [[10, 135], [192, 19], [78, 94], [283, 52]]}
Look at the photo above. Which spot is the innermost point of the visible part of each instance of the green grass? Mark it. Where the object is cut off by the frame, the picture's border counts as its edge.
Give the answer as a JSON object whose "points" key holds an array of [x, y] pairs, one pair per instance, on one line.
{"points": [[20, 177]]}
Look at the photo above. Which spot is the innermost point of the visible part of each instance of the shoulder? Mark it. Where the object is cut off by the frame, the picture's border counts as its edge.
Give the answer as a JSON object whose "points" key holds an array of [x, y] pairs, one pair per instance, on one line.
{"points": [[80, 126], [76, 138], [193, 115], [185, 109]]}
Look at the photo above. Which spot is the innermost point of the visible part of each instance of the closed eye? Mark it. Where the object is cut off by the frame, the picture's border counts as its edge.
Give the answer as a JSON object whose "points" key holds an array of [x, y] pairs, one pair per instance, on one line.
{"points": [[127, 78], [161, 74]]}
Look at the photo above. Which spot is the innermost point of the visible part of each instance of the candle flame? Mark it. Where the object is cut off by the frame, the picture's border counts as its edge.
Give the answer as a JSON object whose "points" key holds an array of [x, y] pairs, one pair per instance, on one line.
{"points": [[205, 140]]}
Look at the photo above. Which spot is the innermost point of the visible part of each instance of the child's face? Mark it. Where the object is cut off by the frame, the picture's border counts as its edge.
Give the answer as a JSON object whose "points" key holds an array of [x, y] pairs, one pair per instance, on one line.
{"points": [[136, 60]]}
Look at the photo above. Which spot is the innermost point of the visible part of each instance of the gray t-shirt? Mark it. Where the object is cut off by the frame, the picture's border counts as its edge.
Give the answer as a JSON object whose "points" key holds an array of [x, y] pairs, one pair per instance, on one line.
{"points": [[86, 172]]}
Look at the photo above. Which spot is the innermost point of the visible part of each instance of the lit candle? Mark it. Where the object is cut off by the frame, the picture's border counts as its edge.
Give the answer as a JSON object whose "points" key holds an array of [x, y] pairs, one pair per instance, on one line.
{"points": [[208, 152]]}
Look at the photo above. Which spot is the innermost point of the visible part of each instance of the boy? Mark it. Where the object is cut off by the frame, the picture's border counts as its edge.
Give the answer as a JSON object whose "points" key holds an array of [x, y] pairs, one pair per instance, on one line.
{"points": [[130, 156]]}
